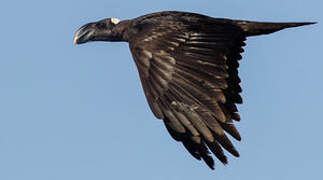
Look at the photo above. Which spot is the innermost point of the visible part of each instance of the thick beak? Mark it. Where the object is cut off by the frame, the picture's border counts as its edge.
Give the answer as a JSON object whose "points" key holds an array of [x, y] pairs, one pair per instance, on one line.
{"points": [[84, 34]]}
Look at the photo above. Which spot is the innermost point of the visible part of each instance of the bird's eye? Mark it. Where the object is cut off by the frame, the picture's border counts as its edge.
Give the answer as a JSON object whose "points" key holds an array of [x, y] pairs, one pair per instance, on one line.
{"points": [[101, 25]]}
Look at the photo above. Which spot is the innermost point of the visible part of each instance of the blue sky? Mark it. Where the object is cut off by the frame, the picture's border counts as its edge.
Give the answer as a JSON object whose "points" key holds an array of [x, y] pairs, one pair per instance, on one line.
{"points": [[78, 112]]}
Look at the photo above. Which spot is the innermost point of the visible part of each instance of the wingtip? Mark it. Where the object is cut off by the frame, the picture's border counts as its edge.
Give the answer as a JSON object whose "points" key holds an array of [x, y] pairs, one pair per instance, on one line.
{"points": [[309, 23], [302, 24]]}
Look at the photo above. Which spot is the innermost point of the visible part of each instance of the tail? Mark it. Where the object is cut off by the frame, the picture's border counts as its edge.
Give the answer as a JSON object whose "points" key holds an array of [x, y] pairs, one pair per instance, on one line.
{"points": [[252, 28]]}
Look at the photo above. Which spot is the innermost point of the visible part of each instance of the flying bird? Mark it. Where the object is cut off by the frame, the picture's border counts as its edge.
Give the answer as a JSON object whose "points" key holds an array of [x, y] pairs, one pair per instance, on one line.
{"points": [[188, 66]]}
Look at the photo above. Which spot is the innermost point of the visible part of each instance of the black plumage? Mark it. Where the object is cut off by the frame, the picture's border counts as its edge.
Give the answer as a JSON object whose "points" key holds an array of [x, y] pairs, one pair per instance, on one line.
{"points": [[188, 69]]}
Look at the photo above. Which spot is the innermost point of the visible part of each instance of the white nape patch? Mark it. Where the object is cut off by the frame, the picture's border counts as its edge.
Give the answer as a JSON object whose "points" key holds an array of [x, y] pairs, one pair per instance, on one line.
{"points": [[115, 20]]}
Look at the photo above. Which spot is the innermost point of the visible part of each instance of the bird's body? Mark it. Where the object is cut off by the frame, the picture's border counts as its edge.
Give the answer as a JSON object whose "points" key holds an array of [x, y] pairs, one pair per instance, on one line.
{"points": [[188, 69]]}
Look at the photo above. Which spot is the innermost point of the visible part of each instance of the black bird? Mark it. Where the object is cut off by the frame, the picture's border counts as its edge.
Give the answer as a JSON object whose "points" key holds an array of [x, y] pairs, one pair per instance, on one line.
{"points": [[188, 65]]}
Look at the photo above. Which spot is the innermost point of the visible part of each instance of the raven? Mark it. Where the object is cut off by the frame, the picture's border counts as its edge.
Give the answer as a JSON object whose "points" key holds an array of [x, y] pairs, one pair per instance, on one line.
{"points": [[187, 64]]}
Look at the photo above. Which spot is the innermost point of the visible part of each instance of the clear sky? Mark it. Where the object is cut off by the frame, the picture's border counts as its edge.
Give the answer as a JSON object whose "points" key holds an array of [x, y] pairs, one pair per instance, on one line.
{"points": [[78, 112]]}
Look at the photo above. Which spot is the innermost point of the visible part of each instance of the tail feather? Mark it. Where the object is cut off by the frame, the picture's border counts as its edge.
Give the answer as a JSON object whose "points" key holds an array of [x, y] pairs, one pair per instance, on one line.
{"points": [[252, 28]]}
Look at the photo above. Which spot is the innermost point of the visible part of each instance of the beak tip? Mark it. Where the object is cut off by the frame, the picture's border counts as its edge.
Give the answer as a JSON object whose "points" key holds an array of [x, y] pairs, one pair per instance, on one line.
{"points": [[83, 35], [75, 41]]}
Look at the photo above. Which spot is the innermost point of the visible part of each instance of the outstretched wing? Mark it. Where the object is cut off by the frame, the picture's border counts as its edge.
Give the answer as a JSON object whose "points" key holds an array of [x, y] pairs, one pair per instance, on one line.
{"points": [[190, 79]]}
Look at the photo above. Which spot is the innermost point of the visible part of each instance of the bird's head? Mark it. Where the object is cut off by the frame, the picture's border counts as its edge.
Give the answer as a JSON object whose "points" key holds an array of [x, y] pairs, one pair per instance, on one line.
{"points": [[103, 30]]}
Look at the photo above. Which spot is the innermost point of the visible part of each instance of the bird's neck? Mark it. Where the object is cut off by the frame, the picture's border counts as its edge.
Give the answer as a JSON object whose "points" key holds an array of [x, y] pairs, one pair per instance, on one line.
{"points": [[120, 31]]}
